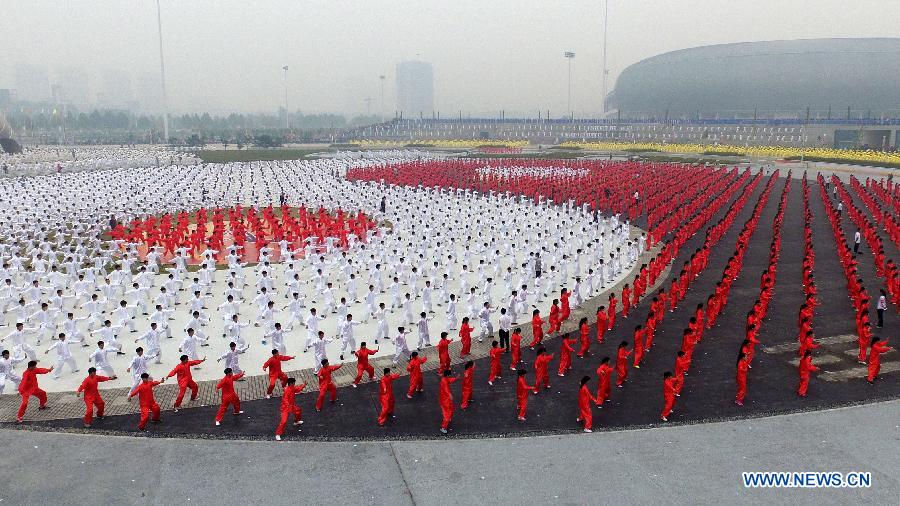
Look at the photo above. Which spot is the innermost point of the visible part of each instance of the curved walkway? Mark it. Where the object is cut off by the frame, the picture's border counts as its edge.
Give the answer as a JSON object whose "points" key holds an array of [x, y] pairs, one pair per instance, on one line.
{"points": [[696, 464]]}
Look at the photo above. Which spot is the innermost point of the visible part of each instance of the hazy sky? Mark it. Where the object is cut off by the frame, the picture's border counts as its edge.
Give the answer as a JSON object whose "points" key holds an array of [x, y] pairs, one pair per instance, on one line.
{"points": [[226, 55]]}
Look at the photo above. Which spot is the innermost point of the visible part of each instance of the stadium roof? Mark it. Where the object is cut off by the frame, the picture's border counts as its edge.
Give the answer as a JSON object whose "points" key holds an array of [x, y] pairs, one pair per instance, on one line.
{"points": [[784, 76]]}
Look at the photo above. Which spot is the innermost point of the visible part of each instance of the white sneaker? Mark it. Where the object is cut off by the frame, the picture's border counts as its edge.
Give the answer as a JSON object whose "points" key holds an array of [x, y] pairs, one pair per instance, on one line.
{"points": [[277, 438], [218, 423]]}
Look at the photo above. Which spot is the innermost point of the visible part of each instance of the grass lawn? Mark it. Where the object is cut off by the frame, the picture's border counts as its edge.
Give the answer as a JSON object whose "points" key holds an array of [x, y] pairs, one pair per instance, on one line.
{"points": [[252, 155]]}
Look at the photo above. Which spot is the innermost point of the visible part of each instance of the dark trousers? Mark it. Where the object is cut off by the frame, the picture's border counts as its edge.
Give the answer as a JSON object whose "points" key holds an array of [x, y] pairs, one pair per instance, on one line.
{"points": [[880, 317], [855, 248], [504, 339]]}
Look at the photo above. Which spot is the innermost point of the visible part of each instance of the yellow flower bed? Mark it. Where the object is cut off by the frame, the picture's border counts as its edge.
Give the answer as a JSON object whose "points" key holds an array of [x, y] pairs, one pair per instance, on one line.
{"points": [[848, 155]]}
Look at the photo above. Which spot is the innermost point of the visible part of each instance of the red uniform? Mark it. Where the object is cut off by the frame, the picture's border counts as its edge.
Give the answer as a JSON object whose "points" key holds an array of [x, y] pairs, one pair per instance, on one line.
{"points": [[515, 346], [604, 383], [92, 397], [611, 312], [495, 373], [564, 308], [584, 339], [289, 406], [467, 387], [681, 367], [554, 319], [28, 387], [584, 406], [414, 368], [362, 364], [445, 398], [742, 367], [386, 396], [443, 348], [541, 371], [622, 366], [185, 380], [805, 368], [229, 396], [669, 391], [465, 336], [602, 322], [565, 356], [144, 391], [537, 330], [326, 385], [874, 359], [522, 390], [638, 347], [273, 365]]}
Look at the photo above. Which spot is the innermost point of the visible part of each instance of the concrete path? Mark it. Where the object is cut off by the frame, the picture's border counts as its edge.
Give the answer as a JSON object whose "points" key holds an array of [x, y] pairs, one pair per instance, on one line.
{"points": [[697, 464]]}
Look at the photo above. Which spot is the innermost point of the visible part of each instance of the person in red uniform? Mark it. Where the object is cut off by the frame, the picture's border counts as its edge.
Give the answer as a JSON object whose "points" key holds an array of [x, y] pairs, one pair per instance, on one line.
{"points": [[564, 309], [622, 363], [414, 368], [185, 379], [602, 323], [565, 355], [626, 300], [229, 396], [28, 386], [445, 398], [805, 368], [465, 337], [681, 367], [638, 346], [362, 363], [541, 369], [584, 404], [522, 391], [554, 318], [273, 365], [467, 384], [92, 395], [495, 367], [743, 364], [878, 347], [326, 385], [515, 346], [584, 338], [669, 384], [443, 348], [604, 381], [289, 406], [144, 391], [386, 395], [537, 329], [611, 311]]}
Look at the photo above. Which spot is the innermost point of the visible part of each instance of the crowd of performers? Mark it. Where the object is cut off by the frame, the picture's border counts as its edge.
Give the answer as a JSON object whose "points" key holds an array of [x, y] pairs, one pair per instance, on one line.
{"points": [[675, 216], [235, 225]]}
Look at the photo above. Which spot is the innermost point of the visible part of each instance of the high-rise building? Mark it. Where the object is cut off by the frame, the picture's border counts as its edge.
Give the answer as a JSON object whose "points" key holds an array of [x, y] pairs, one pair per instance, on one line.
{"points": [[415, 88]]}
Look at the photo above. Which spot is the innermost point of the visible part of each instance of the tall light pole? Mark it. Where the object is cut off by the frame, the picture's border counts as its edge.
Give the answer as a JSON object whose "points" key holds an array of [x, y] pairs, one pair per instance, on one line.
{"points": [[287, 115], [162, 73], [604, 70], [569, 55], [381, 78]]}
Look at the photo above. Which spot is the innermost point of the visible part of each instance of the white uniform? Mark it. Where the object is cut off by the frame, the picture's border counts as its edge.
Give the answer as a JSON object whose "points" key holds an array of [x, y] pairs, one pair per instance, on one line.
{"points": [[63, 357]]}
